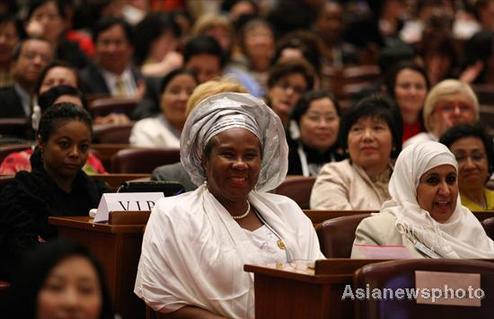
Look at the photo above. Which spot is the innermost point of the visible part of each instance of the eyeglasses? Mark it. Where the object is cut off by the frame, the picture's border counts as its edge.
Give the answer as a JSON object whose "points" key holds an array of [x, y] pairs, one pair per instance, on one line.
{"points": [[476, 157], [296, 89], [452, 108]]}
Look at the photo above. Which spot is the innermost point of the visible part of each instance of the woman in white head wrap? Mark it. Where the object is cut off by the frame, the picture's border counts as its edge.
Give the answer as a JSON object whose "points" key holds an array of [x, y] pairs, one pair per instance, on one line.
{"points": [[196, 244], [425, 213]]}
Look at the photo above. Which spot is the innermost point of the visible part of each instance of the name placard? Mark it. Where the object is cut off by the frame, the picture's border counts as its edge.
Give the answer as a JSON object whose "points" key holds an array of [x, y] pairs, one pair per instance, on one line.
{"points": [[448, 288], [125, 202]]}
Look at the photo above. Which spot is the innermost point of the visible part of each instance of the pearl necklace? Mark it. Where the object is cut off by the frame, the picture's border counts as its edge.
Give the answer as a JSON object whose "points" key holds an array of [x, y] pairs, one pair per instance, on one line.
{"points": [[244, 214]]}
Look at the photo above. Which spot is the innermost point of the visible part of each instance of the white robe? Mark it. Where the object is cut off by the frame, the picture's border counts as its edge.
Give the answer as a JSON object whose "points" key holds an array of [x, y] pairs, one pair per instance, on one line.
{"points": [[193, 252]]}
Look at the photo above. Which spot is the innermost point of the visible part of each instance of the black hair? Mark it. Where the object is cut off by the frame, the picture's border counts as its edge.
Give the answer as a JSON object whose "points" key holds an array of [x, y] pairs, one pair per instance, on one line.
{"points": [[304, 41], [51, 65], [49, 97], [35, 4], [457, 132], [61, 112], [19, 27], [285, 68], [151, 28], [374, 106], [203, 44], [392, 75], [172, 74], [305, 101], [106, 23], [35, 268], [18, 48]]}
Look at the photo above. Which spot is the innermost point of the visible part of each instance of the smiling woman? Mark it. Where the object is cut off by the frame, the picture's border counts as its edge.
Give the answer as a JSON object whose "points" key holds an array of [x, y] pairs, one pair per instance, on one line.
{"points": [[233, 146], [56, 186], [425, 214]]}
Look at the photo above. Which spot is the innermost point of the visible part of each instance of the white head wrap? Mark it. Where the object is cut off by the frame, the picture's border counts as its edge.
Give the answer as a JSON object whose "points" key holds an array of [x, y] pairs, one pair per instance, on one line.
{"points": [[462, 236], [220, 112]]}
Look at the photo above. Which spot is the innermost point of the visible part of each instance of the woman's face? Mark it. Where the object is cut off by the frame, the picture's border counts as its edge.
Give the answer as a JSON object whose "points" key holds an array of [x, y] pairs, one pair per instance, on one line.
{"points": [[71, 290], [174, 98], [67, 148], [286, 92], [8, 41], [233, 165], [51, 22], [437, 192], [58, 75], [369, 143], [452, 110], [410, 91], [259, 41], [164, 44], [320, 124], [473, 166]]}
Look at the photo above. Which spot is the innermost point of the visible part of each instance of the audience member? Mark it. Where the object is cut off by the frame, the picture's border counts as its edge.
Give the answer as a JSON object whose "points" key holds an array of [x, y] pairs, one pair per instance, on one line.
{"points": [[30, 57], [176, 172], [317, 115], [204, 56], [56, 186], [474, 152], [11, 32], [370, 134], [236, 144], [425, 214], [113, 73], [448, 103], [164, 130], [60, 279], [407, 84]]}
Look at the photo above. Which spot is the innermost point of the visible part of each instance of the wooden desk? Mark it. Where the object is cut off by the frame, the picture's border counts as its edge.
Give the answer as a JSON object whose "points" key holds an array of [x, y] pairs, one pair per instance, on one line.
{"points": [[114, 180], [305, 293], [118, 247]]}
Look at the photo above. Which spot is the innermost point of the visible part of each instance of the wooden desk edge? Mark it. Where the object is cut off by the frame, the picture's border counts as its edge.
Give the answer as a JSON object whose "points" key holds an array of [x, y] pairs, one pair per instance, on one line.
{"points": [[84, 222]]}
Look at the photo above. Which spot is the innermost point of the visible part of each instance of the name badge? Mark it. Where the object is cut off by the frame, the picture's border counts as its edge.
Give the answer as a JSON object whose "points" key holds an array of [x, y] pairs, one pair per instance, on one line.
{"points": [[125, 202]]}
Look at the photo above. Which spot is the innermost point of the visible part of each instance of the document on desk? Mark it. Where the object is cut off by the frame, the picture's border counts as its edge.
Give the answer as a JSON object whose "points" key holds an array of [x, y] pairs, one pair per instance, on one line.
{"points": [[125, 202]]}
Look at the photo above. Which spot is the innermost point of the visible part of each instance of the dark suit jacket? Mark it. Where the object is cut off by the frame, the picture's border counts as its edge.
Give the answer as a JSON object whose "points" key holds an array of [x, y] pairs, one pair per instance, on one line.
{"points": [[174, 172], [10, 104], [94, 83]]}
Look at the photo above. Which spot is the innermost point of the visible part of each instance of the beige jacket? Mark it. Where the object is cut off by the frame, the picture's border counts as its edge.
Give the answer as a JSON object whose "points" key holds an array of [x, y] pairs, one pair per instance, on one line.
{"points": [[380, 229], [343, 186]]}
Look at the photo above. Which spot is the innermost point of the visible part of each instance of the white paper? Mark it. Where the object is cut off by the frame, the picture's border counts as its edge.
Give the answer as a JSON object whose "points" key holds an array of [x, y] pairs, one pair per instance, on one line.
{"points": [[125, 202]]}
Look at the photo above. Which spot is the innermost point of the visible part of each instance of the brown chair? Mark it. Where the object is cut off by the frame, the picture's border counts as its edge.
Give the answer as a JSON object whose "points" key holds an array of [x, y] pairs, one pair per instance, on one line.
{"points": [[143, 160], [297, 188], [112, 104], [18, 127], [336, 235], [488, 225], [112, 133], [401, 274]]}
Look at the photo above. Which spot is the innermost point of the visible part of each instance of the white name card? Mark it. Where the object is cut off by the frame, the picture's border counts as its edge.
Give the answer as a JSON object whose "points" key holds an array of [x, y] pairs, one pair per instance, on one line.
{"points": [[125, 202]]}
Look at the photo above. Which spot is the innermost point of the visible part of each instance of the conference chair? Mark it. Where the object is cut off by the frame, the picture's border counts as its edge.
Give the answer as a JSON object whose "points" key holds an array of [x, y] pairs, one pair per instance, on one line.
{"points": [[112, 133], [143, 160], [297, 188], [402, 274], [336, 235], [488, 225]]}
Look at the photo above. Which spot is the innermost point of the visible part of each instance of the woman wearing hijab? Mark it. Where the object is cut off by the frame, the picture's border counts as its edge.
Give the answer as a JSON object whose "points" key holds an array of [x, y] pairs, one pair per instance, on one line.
{"points": [[425, 214], [195, 245]]}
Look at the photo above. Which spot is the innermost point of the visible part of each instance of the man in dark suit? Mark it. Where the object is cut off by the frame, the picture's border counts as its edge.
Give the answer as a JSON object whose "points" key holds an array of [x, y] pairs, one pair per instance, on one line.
{"points": [[113, 73], [30, 57]]}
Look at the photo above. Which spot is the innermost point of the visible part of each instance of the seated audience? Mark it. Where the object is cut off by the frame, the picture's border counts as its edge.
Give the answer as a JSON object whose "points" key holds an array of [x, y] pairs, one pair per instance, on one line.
{"points": [[60, 73], [407, 84], [176, 172], [20, 161], [449, 103], [164, 130], [317, 115], [56, 186], [425, 214], [371, 135], [11, 32], [287, 82], [233, 146], [474, 153], [60, 279]]}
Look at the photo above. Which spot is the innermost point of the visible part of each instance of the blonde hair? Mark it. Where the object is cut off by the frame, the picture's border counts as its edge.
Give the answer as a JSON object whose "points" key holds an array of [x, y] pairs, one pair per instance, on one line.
{"points": [[446, 88], [209, 21], [210, 88]]}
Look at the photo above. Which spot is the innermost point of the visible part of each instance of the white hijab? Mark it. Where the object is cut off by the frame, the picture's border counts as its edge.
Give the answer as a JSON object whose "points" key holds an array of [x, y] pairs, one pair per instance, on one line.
{"points": [[462, 236]]}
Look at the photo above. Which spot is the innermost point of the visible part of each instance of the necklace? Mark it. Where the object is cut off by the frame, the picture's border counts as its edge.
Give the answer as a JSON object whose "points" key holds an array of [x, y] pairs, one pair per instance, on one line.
{"points": [[247, 211]]}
